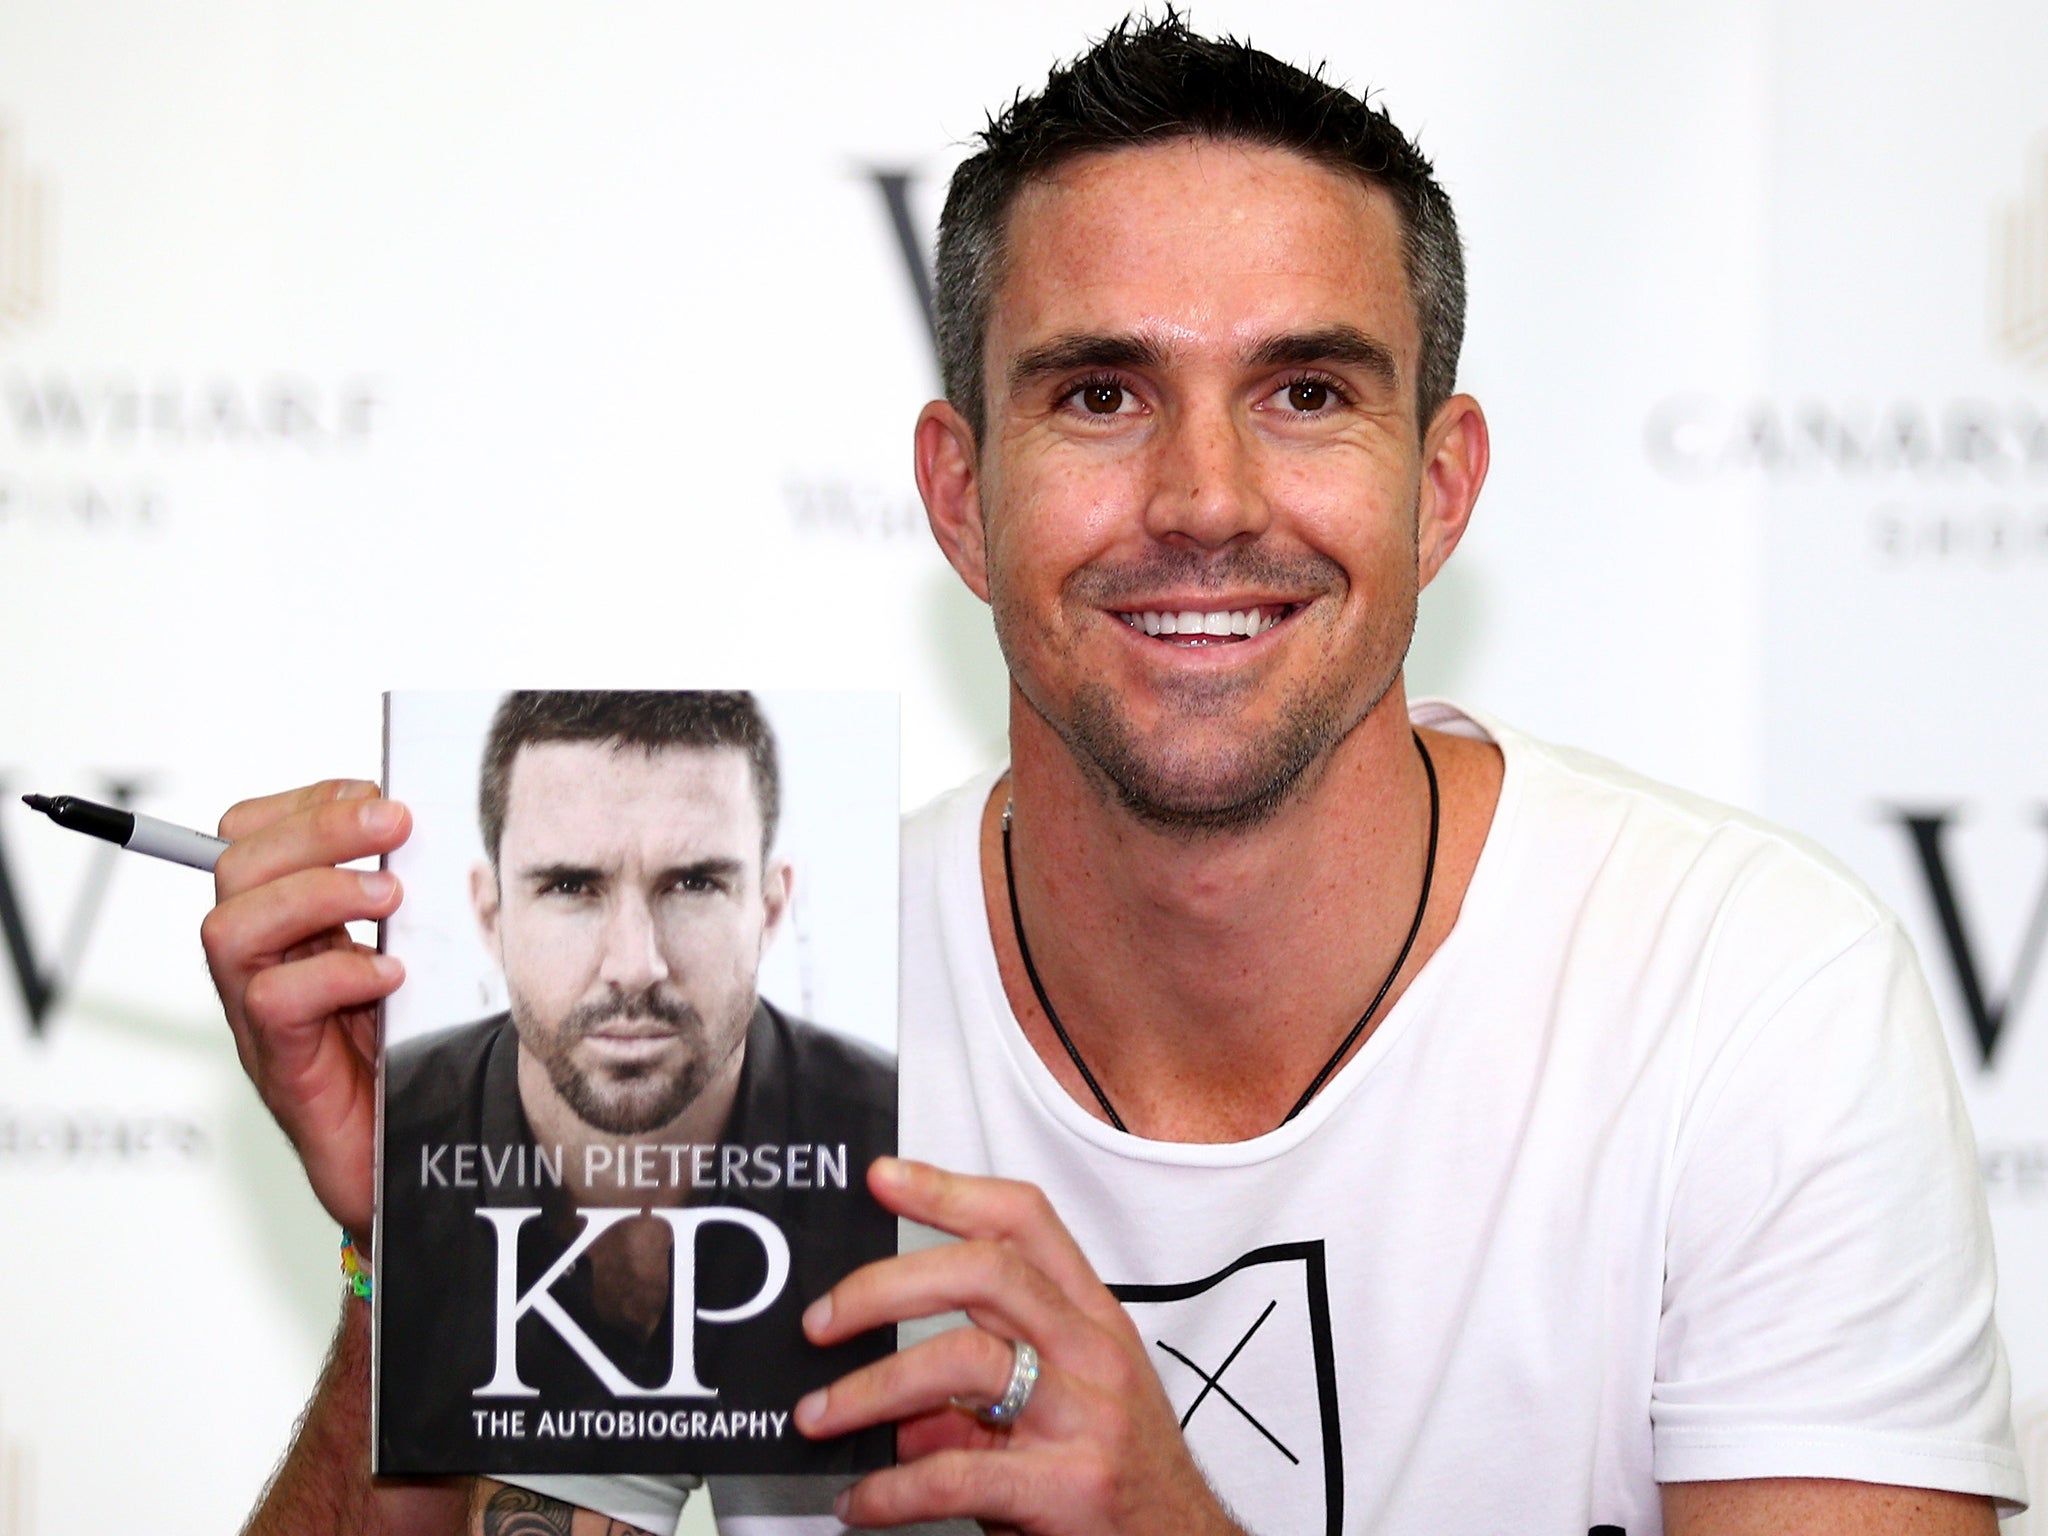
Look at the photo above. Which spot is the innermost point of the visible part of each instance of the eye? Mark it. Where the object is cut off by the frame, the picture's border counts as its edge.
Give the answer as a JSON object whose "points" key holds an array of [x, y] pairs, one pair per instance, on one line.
{"points": [[1310, 394], [696, 884], [1101, 396]]}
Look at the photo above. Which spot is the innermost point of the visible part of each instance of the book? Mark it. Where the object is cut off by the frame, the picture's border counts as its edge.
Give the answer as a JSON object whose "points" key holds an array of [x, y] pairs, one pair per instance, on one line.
{"points": [[641, 1059]]}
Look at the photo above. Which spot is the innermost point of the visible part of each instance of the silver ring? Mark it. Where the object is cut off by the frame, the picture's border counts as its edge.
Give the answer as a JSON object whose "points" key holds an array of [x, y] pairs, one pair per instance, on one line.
{"points": [[1023, 1377]]}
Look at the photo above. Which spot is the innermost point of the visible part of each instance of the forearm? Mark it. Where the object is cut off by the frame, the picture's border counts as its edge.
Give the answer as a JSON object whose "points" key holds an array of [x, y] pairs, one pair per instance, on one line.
{"points": [[324, 1487], [500, 1509]]}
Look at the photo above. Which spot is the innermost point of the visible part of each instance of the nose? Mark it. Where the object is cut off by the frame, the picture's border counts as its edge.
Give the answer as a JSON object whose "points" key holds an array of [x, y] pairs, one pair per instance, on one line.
{"points": [[1206, 486], [632, 960]]}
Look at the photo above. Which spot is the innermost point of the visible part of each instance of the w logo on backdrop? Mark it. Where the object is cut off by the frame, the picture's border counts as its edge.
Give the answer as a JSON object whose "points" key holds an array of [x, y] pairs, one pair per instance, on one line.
{"points": [[24, 239], [40, 978], [894, 188], [2019, 277], [1987, 1009]]}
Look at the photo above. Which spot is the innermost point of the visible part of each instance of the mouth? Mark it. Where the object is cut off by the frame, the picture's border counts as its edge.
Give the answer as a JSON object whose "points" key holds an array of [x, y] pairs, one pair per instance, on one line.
{"points": [[630, 1040], [627, 1052], [638, 1030], [1209, 626]]}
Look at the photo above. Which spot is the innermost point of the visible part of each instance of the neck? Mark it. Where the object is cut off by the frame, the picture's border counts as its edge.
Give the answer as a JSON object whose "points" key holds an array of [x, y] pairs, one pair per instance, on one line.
{"points": [[1175, 959]]}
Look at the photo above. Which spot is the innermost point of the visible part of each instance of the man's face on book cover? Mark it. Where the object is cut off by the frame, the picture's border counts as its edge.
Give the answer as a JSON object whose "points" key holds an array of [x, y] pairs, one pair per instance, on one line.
{"points": [[630, 908]]}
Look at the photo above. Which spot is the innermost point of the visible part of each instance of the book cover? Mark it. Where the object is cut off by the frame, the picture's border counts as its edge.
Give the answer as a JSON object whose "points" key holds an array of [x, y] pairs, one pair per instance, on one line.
{"points": [[640, 1061]]}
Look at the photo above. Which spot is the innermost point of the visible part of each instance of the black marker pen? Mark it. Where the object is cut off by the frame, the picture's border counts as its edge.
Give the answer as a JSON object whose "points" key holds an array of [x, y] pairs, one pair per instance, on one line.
{"points": [[132, 830]]}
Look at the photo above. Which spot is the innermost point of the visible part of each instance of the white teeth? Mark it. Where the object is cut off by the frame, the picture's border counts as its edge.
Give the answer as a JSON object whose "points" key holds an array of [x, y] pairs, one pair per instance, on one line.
{"points": [[1249, 622]]}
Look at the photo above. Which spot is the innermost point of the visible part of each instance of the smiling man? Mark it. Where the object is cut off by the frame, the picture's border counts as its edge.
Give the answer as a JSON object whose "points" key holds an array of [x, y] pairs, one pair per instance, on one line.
{"points": [[1355, 1115], [628, 894]]}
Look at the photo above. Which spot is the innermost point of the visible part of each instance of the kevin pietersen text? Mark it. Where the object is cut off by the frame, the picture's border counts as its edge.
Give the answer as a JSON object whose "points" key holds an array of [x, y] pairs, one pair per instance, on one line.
{"points": [[681, 1165]]}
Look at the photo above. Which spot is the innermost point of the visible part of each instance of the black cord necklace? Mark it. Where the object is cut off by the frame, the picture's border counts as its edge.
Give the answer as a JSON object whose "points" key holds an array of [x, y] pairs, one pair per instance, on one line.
{"points": [[1330, 1066]]}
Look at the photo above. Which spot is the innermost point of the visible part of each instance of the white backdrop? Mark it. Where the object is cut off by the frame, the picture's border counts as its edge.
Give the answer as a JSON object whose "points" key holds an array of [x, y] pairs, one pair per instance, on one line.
{"points": [[345, 347]]}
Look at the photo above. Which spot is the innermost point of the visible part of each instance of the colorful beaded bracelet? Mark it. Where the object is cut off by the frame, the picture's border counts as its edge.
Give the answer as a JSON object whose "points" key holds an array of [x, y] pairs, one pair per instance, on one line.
{"points": [[355, 1267]]}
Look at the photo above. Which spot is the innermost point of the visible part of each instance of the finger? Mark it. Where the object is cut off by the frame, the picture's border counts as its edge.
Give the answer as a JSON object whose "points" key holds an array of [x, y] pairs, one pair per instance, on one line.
{"points": [[997, 1209], [993, 1282], [273, 920], [253, 815], [297, 1030], [942, 1429], [1005, 1487], [303, 1064], [330, 833], [316, 1078], [961, 1365], [288, 1006]]}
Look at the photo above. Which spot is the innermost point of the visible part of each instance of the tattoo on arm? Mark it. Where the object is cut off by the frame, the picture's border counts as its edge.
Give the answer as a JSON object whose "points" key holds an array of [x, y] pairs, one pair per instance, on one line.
{"points": [[522, 1512], [504, 1510]]}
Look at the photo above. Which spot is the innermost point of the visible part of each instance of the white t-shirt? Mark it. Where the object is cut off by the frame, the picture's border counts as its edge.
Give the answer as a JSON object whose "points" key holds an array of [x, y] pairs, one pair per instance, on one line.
{"points": [[1657, 1172]]}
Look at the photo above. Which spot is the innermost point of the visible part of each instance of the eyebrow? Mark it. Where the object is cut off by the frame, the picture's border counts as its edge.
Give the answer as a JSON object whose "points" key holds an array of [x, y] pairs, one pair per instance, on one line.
{"points": [[702, 869], [1345, 345], [1063, 354], [1342, 345]]}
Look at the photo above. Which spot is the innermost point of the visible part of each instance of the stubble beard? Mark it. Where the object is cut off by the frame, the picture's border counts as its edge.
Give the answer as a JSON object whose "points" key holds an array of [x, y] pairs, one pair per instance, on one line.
{"points": [[628, 1099], [1242, 784]]}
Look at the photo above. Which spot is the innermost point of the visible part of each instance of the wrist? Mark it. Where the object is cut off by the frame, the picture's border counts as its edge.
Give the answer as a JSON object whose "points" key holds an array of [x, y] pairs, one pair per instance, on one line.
{"points": [[355, 1267]]}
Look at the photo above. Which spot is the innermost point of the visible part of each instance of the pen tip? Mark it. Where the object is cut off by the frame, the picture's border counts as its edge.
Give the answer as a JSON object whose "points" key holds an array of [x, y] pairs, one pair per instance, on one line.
{"points": [[36, 802]]}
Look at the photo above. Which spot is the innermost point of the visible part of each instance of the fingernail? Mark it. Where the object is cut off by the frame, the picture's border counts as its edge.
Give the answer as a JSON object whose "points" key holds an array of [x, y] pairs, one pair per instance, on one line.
{"points": [[889, 1170], [378, 884], [840, 1502], [818, 1315], [388, 967], [810, 1409], [380, 816]]}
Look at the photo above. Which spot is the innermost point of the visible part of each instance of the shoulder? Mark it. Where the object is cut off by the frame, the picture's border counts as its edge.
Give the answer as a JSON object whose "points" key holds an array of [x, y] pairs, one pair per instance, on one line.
{"points": [[1674, 921], [1666, 852], [445, 1067], [826, 1055], [834, 1073], [442, 1052]]}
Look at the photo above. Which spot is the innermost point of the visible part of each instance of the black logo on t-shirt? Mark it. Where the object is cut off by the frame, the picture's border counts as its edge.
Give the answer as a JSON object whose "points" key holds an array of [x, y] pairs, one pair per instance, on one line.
{"points": [[1247, 1362]]}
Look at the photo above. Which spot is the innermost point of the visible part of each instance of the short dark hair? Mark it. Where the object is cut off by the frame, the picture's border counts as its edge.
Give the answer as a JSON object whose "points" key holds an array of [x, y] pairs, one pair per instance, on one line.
{"points": [[648, 720], [1150, 81]]}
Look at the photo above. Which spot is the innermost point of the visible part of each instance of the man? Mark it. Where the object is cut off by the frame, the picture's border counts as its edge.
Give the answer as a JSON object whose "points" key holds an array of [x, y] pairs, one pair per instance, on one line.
{"points": [[628, 896], [1482, 1138]]}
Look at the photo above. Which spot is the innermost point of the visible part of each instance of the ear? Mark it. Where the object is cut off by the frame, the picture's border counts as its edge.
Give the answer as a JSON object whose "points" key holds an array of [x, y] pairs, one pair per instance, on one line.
{"points": [[778, 883], [483, 900], [1454, 457], [949, 480]]}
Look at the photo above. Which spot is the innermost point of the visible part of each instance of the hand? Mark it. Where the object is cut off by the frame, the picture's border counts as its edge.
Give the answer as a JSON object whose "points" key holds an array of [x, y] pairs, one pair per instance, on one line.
{"points": [[301, 996], [1096, 1449]]}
